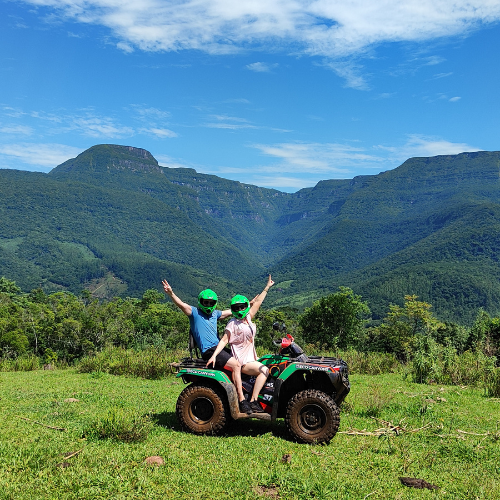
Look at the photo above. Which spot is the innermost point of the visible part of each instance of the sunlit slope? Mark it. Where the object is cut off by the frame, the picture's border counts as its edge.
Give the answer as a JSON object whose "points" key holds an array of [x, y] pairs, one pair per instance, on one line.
{"points": [[62, 234], [428, 211]]}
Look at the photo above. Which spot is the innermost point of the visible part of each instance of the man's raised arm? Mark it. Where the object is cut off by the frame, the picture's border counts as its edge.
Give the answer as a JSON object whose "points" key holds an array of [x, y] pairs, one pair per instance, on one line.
{"points": [[185, 308]]}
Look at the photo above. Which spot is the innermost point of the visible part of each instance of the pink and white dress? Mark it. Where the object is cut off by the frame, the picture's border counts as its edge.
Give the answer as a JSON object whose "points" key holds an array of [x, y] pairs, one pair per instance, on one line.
{"points": [[241, 334]]}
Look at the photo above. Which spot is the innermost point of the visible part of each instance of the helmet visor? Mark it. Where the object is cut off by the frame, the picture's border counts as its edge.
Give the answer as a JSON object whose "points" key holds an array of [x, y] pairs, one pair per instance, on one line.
{"points": [[239, 307], [208, 302]]}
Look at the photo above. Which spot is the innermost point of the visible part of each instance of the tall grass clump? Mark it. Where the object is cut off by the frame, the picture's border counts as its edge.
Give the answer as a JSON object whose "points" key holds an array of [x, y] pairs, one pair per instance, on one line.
{"points": [[370, 363], [492, 383], [150, 363], [359, 362], [118, 425], [435, 363], [20, 364]]}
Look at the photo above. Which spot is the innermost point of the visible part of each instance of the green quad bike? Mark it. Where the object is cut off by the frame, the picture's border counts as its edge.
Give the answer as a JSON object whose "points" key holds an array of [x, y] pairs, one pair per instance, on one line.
{"points": [[304, 390]]}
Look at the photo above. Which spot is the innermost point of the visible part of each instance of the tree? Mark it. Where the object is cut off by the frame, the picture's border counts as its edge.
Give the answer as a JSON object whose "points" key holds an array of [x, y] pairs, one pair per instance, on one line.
{"points": [[402, 326], [9, 287], [336, 320]]}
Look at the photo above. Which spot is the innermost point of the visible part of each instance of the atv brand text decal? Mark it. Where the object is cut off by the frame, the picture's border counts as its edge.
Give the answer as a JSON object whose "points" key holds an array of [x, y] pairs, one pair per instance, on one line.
{"points": [[200, 372], [313, 367]]}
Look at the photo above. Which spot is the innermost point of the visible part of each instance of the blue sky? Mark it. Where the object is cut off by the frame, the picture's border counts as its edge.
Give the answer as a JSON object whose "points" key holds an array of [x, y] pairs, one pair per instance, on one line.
{"points": [[276, 93]]}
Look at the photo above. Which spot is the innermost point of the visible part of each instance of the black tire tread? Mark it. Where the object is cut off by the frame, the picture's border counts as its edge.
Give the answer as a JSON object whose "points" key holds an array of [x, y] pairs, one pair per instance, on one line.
{"points": [[330, 408], [221, 415]]}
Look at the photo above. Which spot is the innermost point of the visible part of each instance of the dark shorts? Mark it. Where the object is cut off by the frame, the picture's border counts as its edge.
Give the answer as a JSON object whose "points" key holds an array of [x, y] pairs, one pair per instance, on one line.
{"points": [[222, 358]]}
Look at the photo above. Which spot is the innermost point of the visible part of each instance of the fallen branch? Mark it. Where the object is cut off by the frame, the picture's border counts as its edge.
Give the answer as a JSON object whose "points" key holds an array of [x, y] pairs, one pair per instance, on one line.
{"points": [[71, 455], [390, 427], [39, 423], [473, 433]]}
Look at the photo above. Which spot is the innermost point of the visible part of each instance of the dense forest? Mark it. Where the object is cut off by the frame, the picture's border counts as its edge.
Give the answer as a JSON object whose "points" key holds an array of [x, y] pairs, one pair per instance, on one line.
{"points": [[65, 327], [114, 222]]}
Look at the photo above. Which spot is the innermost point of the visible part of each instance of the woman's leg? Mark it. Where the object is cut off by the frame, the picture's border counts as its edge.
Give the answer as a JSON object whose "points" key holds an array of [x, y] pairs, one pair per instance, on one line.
{"points": [[261, 372]]}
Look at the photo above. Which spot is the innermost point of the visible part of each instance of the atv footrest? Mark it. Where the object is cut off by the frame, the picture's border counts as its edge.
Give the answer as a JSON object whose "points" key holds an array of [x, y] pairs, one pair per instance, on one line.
{"points": [[260, 416]]}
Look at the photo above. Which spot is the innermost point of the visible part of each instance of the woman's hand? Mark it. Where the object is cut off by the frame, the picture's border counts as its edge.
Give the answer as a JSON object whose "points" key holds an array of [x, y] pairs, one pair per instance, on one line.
{"points": [[211, 360], [270, 282]]}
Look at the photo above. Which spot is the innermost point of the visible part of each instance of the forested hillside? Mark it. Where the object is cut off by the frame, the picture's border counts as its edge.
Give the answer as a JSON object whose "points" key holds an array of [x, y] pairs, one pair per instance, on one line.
{"points": [[114, 221]]}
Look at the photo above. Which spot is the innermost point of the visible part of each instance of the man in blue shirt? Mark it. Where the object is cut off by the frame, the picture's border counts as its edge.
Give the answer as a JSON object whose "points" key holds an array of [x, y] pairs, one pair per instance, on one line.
{"points": [[203, 323]]}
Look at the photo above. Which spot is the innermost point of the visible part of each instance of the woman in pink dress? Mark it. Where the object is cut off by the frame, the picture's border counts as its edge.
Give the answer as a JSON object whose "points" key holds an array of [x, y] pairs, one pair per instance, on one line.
{"points": [[240, 334]]}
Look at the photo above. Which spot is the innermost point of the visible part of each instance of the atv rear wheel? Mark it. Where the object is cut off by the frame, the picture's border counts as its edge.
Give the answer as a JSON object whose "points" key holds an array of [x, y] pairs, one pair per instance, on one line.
{"points": [[202, 409], [312, 417]]}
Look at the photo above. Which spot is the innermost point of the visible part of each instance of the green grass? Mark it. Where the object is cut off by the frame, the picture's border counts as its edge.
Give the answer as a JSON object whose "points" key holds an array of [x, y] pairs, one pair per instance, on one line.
{"points": [[248, 461]]}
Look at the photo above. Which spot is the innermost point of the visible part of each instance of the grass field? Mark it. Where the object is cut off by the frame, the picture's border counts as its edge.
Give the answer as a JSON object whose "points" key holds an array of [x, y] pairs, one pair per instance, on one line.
{"points": [[456, 444]]}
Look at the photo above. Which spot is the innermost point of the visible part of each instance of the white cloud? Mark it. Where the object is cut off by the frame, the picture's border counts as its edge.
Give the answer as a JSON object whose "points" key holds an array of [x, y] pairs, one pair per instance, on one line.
{"points": [[168, 161], [13, 112], [350, 72], [260, 67], [330, 159], [327, 28], [229, 122], [455, 99], [16, 129], [44, 156], [161, 133], [278, 182], [230, 126], [125, 47], [418, 145], [99, 127], [240, 100], [441, 75], [150, 112]]}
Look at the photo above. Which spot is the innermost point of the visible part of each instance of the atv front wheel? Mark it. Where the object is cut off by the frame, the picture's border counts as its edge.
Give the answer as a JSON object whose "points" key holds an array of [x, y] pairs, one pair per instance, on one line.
{"points": [[202, 410], [312, 417]]}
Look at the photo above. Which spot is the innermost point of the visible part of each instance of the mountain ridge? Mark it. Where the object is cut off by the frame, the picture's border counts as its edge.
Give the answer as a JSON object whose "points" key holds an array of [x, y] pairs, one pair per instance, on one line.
{"points": [[141, 221]]}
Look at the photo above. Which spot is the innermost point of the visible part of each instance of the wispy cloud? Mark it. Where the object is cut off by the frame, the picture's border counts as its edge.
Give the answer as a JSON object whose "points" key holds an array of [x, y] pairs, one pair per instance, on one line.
{"points": [[228, 122], [455, 99], [148, 112], [16, 129], [331, 159], [441, 75], [261, 67], [315, 161], [160, 133], [99, 127], [168, 161], [88, 123], [418, 145], [240, 100], [46, 156], [334, 30]]}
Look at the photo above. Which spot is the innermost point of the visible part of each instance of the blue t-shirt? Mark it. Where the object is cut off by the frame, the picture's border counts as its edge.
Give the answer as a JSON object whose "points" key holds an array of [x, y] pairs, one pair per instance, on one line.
{"points": [[204, 328]]}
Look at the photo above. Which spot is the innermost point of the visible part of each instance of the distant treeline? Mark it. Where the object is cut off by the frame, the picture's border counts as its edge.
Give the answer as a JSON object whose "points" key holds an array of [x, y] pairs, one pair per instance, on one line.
{"points": [[65, 327]]}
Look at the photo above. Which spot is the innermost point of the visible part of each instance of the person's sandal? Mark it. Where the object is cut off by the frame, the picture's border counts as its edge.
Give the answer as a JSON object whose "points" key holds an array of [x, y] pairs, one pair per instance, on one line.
{"points": [[255, 406], [245, 407]]}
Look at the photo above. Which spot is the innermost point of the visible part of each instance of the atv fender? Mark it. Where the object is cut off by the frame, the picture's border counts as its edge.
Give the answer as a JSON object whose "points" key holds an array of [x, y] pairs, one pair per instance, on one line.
{"points": [[302, 376]]}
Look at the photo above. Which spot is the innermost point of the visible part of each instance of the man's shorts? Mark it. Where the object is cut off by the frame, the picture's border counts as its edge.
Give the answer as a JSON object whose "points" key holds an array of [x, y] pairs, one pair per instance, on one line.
{"points": [[222, 358]]}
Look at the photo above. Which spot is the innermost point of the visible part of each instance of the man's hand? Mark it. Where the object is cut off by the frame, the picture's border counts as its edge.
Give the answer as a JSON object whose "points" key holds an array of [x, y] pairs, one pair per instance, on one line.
{"points": [[167, 287]]}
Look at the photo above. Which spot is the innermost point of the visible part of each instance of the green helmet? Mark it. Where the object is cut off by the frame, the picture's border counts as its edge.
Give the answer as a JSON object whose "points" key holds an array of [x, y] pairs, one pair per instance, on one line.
{"points": [[207, 300], [240, 306]]}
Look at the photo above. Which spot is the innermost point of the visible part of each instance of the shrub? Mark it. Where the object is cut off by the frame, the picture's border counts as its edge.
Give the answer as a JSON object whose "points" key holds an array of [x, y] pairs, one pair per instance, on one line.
{"points": [[20, 364], [492, 383], [150, 363]]}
